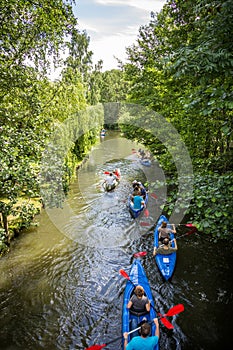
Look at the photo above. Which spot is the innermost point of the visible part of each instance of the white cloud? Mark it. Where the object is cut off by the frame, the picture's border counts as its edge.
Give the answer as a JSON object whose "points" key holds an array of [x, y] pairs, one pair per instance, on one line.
{"points": [[148, 5], [107, 48], [113, 25]]}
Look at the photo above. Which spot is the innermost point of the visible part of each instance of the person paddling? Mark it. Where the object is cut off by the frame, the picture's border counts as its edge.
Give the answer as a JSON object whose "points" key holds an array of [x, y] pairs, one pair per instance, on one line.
{"points": [[165, 248], [144, 341]]}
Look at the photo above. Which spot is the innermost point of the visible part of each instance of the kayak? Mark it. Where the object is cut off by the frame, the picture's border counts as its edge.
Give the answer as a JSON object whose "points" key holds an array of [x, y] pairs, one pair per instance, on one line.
{"points": [[109, 188], [166, 263], [137, 276], [136, 212], [145, 162]]}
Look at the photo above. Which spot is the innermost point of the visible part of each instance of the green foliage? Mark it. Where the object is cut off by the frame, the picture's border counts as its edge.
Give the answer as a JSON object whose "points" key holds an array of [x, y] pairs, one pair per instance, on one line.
{"points": [[211, 207], [68, 144], [31, 106], [109, 86], [181, 66], [3, 242]]}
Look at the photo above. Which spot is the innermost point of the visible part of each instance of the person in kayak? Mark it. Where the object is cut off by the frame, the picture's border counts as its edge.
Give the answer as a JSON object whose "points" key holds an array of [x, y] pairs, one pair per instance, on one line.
{"points": [[164, 231], [165, 248], [138, 305], [110, 180], [144, 341], [138, 202]]}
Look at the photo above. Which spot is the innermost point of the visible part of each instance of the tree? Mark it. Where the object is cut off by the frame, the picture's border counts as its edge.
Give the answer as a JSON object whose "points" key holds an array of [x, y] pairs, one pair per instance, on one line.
{"points": [[30, 33]]}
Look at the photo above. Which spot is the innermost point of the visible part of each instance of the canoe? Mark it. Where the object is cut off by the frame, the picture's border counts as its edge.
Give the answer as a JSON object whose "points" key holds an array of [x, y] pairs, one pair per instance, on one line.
{"points": [[137, 277], [166, 263], [109, 188], [145, 162], [136, 212]]}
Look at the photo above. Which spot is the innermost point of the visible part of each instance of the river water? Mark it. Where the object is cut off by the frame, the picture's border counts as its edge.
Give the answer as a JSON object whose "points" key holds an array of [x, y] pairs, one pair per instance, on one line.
{"points": [[60, 286]]}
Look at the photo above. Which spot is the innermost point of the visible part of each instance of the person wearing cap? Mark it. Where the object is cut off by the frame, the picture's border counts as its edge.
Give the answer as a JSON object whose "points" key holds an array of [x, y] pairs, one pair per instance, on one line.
{"points": [[144, 341], [165, 248]]}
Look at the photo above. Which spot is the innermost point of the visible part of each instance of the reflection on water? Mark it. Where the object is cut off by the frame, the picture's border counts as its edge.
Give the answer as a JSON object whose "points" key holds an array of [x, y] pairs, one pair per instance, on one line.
{"points": [[60, 285]]}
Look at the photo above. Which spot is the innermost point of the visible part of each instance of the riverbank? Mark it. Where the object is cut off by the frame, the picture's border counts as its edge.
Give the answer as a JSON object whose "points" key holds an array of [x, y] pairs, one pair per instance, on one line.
{"points": [[23, 215]]}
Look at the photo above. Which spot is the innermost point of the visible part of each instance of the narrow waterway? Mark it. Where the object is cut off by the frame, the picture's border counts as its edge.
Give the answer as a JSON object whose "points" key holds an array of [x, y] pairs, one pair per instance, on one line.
{"points": [[60, 286]]}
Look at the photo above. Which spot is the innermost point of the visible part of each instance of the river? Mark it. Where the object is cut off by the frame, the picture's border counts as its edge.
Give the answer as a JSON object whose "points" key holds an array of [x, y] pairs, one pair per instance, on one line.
{"points": [[60, 286]]}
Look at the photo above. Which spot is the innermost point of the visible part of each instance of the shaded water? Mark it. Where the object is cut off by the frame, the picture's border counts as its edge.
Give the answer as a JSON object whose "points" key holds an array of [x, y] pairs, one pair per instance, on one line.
{"points": [[60, 286]]}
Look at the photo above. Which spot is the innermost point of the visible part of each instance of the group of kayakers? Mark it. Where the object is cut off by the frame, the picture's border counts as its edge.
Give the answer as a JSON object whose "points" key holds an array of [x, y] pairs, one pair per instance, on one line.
{"points": [[143, 154], [139, 304]]}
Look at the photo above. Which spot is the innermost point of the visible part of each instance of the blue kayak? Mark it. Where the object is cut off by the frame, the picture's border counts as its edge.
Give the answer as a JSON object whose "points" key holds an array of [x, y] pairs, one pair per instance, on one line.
{"points": [[136, 212], [137, 277], [145, 162], [166, 263]]}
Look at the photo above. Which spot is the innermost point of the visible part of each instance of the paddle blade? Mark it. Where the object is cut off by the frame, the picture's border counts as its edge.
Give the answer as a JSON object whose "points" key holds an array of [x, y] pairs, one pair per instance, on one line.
{"points": [[144, 223], [193, 230], [153, 195], [96, 347], [140, 254], [146, 213], [166, 323], [124, 274], [106, 172], [190, 225], [175, 310]]}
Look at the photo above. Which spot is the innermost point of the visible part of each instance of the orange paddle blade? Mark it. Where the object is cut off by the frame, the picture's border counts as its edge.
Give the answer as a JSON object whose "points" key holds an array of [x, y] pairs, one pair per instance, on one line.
{"points": [[96, 347], [136, 255], [175, 310]]}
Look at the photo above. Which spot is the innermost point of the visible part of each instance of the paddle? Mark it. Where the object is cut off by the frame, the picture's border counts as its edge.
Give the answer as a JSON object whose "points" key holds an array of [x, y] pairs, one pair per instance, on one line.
{"points": [[153, 195], [171, 312], [187, 225], [140, 254], [106, 172], [186, 234], [143, 223], [146, 213], [98, 347]]}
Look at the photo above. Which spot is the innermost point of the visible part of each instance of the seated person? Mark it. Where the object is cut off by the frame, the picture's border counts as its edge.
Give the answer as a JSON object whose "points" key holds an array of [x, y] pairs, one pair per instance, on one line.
{"points": [[144, 340], [110, 180], [165, 248], [138, 202], [138, 305], [164, 231], [142, 190], [136, 192], [135, 183]]}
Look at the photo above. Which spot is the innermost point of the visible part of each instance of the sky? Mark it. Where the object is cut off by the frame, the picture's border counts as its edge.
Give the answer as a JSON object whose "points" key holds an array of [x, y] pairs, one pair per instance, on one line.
{"points": [[113, 25]]}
